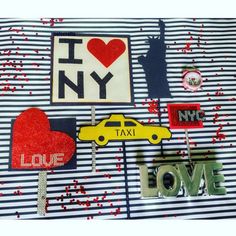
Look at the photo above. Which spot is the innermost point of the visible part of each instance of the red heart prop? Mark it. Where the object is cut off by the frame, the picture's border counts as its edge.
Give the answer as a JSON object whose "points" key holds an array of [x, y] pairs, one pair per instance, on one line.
{"points": [[106, 53], [32, 135]]}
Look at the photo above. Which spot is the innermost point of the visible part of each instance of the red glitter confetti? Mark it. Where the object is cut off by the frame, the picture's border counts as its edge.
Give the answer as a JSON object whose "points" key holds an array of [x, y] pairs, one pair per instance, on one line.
{"points": [[51, 22], [219, 136], [107, 176], [15, 65], [70, 202], [182, 153], [96, 199], [153, 107], [117, 211], [218, 119], [187, 47], [35, 64], [47, 205], [18, 192], [82, 189], [118, 166]]}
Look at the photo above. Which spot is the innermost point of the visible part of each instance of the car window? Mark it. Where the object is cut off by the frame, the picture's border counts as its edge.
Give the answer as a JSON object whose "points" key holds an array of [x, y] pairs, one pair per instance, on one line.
{"points": [[129, 123], [112, 124]]}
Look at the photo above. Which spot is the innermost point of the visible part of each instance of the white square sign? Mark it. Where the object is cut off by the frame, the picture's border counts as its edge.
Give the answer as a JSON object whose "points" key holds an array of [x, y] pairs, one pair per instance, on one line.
{"points": [[90, 69]]}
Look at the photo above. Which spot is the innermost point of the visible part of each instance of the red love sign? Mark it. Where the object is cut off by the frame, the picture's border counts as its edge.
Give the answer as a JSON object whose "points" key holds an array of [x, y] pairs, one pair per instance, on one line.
{"points": [[106, 53], [35, 146]]}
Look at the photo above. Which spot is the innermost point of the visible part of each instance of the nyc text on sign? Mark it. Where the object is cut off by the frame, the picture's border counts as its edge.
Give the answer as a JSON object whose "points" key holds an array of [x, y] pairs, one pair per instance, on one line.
{"points": [[185, 116]]}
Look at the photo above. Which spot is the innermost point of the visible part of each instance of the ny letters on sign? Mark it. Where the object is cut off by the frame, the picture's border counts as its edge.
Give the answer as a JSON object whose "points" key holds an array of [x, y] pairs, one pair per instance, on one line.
{"points": [[90, 69]]}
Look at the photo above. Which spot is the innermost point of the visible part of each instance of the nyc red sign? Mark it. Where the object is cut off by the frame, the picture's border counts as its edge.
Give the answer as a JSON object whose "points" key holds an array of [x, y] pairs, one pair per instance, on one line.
{"points": [[185, 116]]}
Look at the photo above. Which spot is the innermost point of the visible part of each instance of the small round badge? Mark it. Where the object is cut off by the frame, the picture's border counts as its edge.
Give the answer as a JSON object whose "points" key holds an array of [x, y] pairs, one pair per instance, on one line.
{"points": [[192, 79]]}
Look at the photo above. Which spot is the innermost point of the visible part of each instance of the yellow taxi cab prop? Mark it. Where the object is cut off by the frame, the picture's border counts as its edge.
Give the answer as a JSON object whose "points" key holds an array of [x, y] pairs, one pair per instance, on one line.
{"points": [[120, 128]]}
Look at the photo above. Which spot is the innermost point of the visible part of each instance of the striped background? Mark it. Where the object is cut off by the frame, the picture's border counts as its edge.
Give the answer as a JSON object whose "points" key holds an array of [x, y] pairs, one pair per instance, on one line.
{"points": [[110, 193]]}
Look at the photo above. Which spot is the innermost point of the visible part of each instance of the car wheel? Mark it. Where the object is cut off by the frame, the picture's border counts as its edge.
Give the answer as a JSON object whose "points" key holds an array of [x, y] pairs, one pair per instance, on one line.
{"points": [[101, 140], [154, 139]]}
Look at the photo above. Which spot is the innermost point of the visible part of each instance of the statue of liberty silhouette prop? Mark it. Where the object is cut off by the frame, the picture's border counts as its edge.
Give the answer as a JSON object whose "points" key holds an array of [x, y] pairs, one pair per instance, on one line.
{"points": [[154, 66], [155, 69]]}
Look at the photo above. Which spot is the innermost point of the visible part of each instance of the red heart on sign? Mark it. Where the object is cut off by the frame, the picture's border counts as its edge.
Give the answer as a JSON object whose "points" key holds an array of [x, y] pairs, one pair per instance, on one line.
{"points": [[106, 53], [35, 146]]}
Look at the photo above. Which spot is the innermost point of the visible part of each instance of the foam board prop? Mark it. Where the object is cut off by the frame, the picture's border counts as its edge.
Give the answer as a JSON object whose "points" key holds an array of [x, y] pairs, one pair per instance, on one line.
{"points": [[185, 116], [91, 69], [119, 128], [36, 147]]}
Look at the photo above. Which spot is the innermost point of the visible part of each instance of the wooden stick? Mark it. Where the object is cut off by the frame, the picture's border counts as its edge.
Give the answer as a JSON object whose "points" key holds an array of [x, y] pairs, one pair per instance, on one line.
{"points": [[93, 143], [42, 192], [159, 116], [188, 148]]}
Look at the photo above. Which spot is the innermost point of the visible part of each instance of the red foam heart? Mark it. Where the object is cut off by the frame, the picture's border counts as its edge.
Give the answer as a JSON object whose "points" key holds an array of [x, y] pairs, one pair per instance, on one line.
{"points": [[106, 53], [32, 135]]}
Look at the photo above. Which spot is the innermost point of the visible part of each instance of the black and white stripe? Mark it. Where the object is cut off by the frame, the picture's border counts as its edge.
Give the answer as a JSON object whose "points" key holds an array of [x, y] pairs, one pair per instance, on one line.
{"points": [[217, 42]]}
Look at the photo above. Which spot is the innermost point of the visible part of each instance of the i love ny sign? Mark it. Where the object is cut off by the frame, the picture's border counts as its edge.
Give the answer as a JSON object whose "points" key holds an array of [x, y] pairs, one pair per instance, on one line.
{"points": [[90, 69]]}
